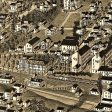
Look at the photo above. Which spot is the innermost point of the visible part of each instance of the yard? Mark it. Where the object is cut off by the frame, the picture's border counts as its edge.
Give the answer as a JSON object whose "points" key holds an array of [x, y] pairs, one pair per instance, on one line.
{"points": [[51, 104], [59, 19], [70, 22]]}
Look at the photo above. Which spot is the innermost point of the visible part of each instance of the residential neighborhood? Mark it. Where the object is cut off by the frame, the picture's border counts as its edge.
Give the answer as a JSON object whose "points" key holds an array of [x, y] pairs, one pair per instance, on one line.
{"points": [[55, 55]]}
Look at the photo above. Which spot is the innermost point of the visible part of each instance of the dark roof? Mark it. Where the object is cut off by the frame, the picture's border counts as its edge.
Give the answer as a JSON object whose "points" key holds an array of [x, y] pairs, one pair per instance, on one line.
{"points": [[106, 78], [94, 89], [60, 108], [75, 85], [104, 99], [105, 68], [2, 108], [28, 101], [9, 90], [65, 54], [106, 105], [36, 80], [18, 94], [70, 41], [19, 1], [13, 4], [97, 27], [10, 110], [1, 94], [77, 66], [84, 49], [34, 40], [52, 110], [110, 90], [99, 106], [17, 85], [104, 52], [86, 41], [90, 39], [51, 26]]}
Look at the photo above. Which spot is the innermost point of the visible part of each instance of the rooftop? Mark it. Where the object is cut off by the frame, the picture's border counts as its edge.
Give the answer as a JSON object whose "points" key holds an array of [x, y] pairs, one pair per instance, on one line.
{"points": [[34, 40], [72, 41], [105, 68], [84, 49], [104, 52]]}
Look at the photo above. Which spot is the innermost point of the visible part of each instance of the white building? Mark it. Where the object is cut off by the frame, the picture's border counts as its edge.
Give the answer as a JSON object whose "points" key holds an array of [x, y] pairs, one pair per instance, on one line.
{"points": [[102, 107], [28, 48], [60, 109], [6, 79], [19, 88], [74, 88], [69, 44], [18, 27], [107, 94], [71, 4], [101, 58], [8, 94], [105, 71], [81, 58], [35, 82], [96, 63], [94, 91], [13, 7]]}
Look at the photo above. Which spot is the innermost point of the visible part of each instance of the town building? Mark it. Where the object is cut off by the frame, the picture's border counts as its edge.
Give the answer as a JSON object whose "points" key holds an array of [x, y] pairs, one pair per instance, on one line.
{"points": [[18, 87], [35, 82], [69, 44], [101, 58], [81, 58], [94, 91], [105, 71], [28, 48], [71, 4]]}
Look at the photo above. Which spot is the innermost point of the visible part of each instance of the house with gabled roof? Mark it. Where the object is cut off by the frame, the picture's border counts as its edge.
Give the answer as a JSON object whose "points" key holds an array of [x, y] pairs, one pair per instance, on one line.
{"points": [[103, 107], [19, 87], [69, 44], [105, 71], [71, 4], [28, 47], [3, 109], [13, 7], [94, 91], [101, 58], [60, 109], [81, 58], [8, 94], [36, 82]]}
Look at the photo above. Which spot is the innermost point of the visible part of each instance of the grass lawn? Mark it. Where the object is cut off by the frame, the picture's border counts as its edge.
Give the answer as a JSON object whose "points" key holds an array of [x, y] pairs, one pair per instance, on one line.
{"points": [[93, 98], [79, 110], [70, 22], [93, 77], [59, 19], [20, 77], [62, 92], [58, 37], [51, 104]]}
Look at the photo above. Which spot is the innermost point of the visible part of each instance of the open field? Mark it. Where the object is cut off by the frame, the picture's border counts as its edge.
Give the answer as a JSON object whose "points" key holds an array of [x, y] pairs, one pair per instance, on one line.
{"points": [[59, 19], [48, 102], [51, 104], [91, 98], [70, 22]]}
